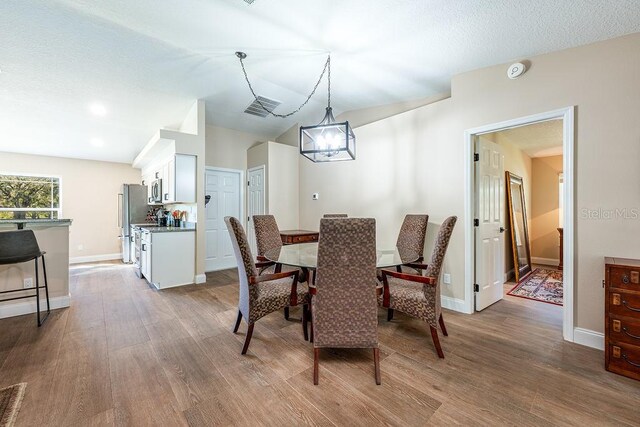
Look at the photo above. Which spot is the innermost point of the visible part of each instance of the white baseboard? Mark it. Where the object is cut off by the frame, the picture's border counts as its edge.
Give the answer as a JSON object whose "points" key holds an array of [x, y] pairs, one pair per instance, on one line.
{"points": [[545, 261], [454, 304], [94, 258], [29, 306], [588, 338], [200, 278]]}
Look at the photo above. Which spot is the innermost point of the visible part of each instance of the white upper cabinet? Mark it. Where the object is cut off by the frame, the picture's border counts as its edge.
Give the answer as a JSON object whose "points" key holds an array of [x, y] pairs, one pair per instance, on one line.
{"points": [[178, 175]]}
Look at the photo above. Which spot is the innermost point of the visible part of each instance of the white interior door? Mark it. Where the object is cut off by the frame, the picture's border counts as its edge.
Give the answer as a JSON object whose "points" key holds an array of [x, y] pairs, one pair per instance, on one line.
{"points": [[224, 189], [489, 230], [255, 202]]}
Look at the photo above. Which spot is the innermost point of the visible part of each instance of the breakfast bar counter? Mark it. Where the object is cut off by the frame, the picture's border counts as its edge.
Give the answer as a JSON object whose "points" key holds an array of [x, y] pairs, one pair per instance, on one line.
{"points": [[53, 238]]}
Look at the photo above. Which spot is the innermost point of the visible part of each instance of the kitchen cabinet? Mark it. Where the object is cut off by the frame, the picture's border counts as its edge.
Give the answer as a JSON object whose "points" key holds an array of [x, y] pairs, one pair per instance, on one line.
{"points": [[179, 179], [167, 258]]}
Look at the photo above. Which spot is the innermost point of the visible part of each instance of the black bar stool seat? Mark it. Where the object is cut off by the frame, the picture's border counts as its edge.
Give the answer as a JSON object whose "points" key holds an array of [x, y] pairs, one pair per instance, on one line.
{"points": [[22, 246]]}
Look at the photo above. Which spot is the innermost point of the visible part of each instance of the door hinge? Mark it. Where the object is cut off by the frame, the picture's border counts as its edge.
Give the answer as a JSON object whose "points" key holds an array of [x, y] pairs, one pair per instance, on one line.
{"points": [[476, 287], [248, 183], [476, 157], [248, 218], [476, 222]]}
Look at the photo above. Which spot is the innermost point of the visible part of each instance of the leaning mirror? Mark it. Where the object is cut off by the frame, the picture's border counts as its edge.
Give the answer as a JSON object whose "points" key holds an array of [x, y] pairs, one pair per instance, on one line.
{"points": [[518, 226]]}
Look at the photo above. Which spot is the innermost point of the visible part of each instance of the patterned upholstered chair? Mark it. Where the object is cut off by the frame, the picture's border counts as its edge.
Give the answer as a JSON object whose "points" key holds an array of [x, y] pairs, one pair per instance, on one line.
{"points": [[418, 295], [411, 238], [344, 307], [335, 216], [262, 294], [268, 237]]}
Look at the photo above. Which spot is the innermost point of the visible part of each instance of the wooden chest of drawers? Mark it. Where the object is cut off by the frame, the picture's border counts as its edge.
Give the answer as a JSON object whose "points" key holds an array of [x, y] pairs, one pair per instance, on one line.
{"points": [[622, 316], [291, 237]]}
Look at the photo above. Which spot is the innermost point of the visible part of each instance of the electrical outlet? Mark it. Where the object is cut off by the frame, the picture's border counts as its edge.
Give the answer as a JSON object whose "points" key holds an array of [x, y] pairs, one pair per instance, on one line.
{"points": [[446, 278], [28, 282], [315, 196]]}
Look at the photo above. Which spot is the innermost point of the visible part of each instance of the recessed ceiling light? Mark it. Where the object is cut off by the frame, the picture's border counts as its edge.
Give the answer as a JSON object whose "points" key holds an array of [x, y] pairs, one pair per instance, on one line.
{"points": [[97, 142], [98, 110]]}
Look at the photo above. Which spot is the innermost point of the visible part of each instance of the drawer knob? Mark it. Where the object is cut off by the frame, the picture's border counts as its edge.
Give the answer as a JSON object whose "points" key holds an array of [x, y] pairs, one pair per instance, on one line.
{"points": [[625, 279]]}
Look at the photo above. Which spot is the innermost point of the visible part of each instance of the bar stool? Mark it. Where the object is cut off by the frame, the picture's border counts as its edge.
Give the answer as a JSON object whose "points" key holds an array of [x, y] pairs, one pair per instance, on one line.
{"points": [[21, 246]]}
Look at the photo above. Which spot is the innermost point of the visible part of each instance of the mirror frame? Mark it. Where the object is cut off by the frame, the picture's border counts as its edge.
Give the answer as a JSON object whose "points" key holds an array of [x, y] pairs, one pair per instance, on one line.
{"points": [[520, 272]]}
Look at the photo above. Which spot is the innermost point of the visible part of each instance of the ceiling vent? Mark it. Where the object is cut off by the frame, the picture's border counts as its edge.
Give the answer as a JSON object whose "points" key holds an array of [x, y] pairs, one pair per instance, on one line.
{"points": [[249, 1], [256, 109]]}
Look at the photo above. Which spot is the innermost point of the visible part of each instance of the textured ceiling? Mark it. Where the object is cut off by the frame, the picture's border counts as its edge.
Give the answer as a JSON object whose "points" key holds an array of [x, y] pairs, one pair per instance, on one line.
{"points": [[146, 61], [537, 140]]}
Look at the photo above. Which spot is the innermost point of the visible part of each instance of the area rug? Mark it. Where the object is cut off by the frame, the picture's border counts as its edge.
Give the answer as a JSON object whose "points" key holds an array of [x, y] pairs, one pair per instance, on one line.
{"points": [[541, 285], [10, 401]]}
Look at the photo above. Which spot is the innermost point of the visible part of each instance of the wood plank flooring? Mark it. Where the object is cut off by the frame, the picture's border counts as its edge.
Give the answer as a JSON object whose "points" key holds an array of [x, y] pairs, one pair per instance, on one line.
{"points": [[125, 354]]}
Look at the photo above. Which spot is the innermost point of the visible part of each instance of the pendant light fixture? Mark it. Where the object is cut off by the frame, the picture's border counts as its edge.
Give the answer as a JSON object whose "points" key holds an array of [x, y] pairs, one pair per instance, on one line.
{"points": [[328, 141]]}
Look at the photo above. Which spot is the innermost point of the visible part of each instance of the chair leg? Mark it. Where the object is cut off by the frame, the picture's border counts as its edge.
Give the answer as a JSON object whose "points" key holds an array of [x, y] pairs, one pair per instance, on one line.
{"points": [[37, 294], [305, 320], [436, 341], [286, 313], [310, 323], [444, 328], [376, 362], [316, 367], [389, 314], [247, 340], [235, 328], [46, 286]]}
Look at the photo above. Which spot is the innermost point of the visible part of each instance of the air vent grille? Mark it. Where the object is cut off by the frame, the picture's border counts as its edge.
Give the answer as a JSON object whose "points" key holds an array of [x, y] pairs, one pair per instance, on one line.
{"points": [[257, 110], [249, 1]]}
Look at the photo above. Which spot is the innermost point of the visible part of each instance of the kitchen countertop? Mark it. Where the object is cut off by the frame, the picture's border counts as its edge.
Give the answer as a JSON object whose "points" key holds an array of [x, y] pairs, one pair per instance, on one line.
{"points": [[31, 222], [158, 229]]}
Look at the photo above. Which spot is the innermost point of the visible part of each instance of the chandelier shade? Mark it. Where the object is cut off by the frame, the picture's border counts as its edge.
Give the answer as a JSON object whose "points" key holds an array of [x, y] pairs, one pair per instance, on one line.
{"points": [[328, 141]]}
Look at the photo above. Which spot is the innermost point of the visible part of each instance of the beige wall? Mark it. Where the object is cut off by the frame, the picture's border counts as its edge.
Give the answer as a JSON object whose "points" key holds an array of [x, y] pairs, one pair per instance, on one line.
{"points": [[227, 148], [89, 192], [281, 181], [414, 161], [545, 207], [519, 163]]}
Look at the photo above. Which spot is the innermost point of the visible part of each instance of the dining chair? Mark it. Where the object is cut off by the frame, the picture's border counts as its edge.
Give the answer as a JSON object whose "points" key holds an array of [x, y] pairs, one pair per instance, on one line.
{"points": [[262, 294], [419, 295], [344, 306], [335, 216], [267, 238]]}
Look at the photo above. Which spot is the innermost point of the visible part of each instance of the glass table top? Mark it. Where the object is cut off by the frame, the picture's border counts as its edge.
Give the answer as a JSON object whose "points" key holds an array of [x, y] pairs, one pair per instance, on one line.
{"points": [[306, 255]]}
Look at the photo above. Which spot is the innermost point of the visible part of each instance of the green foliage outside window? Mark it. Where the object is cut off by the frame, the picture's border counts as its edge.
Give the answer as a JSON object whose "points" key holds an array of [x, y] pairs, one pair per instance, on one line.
{"points": [[29, 197]]}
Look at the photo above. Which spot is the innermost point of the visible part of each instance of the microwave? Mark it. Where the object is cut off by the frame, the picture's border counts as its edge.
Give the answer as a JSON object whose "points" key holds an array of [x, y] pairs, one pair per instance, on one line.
{"points": [[156, 191]]}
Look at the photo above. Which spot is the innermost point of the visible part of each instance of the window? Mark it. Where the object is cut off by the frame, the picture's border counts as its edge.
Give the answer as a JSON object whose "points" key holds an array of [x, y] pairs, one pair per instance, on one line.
{"points": [[29, 197]]}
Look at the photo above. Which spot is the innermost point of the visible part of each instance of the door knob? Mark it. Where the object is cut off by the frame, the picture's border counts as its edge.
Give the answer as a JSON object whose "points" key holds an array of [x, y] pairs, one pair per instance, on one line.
{"points": [[502, 229]]}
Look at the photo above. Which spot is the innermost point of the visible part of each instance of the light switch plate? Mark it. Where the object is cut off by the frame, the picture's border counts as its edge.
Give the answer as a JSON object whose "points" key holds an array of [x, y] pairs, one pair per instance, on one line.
{"points": [[446, 278]]}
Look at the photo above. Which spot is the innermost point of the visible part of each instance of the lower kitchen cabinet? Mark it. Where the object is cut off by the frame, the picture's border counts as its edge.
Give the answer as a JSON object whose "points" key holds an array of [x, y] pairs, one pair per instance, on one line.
{"points": [[168, 258]]}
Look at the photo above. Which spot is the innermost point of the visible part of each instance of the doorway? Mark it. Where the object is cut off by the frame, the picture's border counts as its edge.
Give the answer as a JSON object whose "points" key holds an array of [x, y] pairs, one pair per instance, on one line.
{"points": [[255, 202], [485, 245], [223, 186]]}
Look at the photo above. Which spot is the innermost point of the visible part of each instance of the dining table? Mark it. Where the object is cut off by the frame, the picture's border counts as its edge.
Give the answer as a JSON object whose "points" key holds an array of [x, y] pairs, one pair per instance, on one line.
{"points": [[305, 257]]}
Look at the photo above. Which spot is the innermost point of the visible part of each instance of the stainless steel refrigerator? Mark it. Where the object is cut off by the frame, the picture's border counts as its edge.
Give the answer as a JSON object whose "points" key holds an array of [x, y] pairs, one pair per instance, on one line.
{"points": [[132, 209]]}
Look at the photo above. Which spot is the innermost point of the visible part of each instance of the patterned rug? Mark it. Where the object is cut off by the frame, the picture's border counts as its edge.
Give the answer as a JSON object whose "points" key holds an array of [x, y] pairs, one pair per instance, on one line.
{"points": [[541, 285], [10, 401]]}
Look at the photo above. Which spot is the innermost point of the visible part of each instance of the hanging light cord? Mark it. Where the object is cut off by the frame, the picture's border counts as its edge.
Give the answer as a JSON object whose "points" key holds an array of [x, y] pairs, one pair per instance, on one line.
{"points": [[327, 67]]}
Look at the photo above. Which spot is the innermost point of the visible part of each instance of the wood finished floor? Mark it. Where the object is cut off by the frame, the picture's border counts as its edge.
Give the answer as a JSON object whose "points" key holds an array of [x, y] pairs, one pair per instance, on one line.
{"points": [[124, 354]]}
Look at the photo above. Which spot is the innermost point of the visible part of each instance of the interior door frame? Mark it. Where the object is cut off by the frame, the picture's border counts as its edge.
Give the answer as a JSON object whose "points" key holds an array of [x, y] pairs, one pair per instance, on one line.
{"points": [[241, 194], [567, 115], [264, 190]]}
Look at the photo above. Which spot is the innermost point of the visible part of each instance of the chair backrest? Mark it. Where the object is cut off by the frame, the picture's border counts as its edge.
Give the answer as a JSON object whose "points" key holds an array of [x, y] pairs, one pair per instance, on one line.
{"points": [[244, 258], [432, 293], [412, 233], [335, 216], [345, 312], [267, 233], [18, 246]]}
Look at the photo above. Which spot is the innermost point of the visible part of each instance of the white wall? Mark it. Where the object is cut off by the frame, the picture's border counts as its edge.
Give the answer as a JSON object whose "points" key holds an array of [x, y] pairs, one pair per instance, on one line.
{"points": [[89, 196], [414, 161], [227, 148]]}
